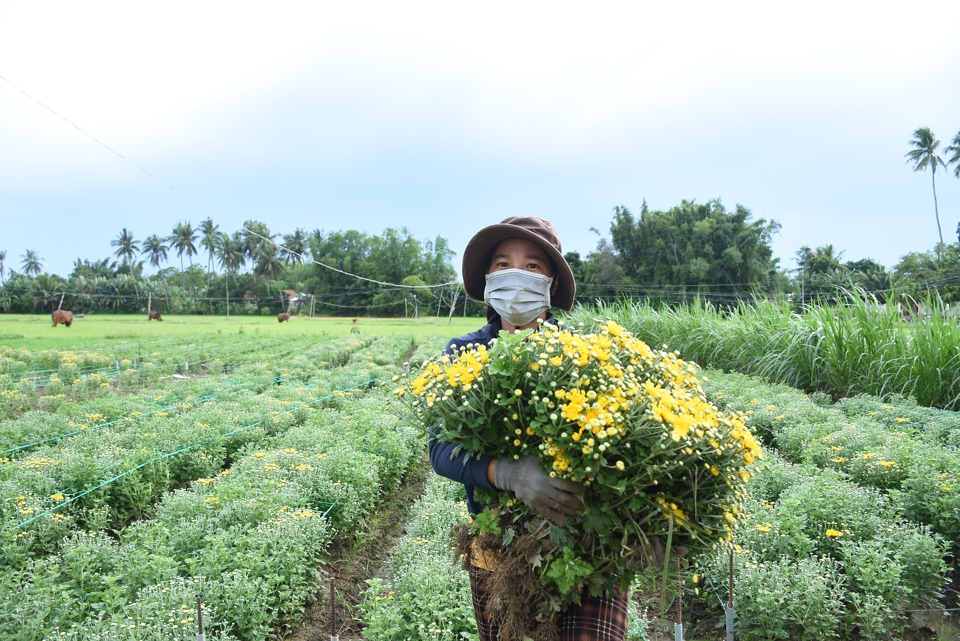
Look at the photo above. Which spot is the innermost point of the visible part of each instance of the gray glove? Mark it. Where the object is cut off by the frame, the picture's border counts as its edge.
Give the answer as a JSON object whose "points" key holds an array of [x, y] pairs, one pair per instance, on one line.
{"points": [[549, 497]]}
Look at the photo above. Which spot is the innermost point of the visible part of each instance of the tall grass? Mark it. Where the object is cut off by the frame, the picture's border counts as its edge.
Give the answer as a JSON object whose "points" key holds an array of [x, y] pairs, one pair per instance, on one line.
{"points": [[856, 348]]}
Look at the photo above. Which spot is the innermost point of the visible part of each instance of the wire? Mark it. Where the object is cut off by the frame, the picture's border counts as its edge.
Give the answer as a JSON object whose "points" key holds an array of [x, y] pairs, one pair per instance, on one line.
{"points": [[215, 212]]}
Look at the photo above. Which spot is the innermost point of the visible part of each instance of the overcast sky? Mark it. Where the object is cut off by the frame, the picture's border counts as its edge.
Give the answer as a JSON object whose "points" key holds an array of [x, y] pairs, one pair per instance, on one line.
{"points": [[444, 117]]}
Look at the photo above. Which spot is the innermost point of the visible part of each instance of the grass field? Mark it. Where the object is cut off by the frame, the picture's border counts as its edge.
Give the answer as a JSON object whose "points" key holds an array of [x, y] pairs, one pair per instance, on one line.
{"points": [[34, 332]]}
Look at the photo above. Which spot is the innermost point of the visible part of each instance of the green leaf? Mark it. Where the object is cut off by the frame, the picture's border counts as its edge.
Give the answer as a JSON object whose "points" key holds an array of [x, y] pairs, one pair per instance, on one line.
{"points": [[568, 571], [487, 521]]}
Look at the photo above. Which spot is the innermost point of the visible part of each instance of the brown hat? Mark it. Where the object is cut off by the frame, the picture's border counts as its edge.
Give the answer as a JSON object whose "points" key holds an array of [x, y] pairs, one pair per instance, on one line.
{"points": [[476, 257]]}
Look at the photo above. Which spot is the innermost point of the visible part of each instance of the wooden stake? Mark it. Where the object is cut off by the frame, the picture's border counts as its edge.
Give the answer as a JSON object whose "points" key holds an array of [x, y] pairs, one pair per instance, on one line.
{"points": [[333, 611], [200, 634], [730, 590]]}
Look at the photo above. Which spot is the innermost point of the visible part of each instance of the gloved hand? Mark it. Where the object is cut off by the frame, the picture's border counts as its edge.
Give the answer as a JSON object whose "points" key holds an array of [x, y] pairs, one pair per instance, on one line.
{"points": [[553, 498]]}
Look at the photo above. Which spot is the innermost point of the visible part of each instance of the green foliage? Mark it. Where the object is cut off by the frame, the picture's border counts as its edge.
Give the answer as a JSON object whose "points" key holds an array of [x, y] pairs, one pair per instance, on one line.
{"points": [[250, 535], [857, 527], [700, 247], [821, 544], [796, 599], [906, 450], [104, 286], [425, 596], [393, 257], [568, 571]]}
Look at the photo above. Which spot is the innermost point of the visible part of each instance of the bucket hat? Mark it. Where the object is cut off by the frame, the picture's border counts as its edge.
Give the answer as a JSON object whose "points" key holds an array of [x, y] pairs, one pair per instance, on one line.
{"points": [[476, 256]]}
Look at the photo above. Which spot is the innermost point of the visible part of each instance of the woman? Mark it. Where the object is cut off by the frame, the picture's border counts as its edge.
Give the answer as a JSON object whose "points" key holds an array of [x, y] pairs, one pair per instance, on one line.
{"points": [[517, 267]]}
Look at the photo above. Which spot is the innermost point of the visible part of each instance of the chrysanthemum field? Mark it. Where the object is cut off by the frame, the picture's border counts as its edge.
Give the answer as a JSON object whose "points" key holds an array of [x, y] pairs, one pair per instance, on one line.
{"points": [[133, 482]]}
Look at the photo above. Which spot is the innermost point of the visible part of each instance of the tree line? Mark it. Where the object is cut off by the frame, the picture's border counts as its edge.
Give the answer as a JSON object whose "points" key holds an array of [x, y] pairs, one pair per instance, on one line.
{"points": [[252, 271], [692, 249]]}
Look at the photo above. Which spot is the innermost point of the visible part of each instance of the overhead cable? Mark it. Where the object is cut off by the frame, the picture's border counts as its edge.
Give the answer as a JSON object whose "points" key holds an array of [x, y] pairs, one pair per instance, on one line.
{"points": [[217, 213]]}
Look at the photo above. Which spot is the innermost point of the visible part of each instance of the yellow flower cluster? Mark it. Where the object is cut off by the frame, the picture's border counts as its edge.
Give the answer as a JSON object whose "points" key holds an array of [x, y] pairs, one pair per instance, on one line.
{"points": [[601, 408]]}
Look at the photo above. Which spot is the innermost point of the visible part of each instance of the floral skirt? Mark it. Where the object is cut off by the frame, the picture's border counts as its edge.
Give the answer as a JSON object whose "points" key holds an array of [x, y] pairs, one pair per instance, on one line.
{"points": [[595, 619]]}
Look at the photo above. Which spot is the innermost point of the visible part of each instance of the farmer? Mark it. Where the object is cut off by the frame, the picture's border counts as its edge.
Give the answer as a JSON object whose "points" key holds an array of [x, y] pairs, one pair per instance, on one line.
{"points": [[517, 268]]}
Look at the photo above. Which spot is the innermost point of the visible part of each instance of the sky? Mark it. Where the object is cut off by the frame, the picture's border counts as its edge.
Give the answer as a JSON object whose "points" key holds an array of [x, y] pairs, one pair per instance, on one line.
{"points": [[444, 117]]}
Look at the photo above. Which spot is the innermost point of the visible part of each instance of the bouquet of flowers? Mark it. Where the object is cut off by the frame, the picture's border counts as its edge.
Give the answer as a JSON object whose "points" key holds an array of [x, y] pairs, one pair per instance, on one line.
{"points": [[599, 407]]}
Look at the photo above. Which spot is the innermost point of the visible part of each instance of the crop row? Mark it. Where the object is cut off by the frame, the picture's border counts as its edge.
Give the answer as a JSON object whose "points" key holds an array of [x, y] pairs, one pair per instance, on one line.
{"points": [[247, 539], [247, 535], [106, 477], [912, 453], [820, 556], [17, 360], [839, 534], [425, 594], [56, 413], [90, 374], [22, 362]]}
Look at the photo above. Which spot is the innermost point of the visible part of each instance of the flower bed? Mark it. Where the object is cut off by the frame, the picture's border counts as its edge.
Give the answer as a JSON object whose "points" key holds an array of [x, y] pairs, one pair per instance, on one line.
{"points": [[248, 537]]}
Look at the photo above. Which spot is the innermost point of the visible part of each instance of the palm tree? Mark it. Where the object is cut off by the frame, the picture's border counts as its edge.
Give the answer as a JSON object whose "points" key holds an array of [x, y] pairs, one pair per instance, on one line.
{"points": [[208, 239], [155, 249], [925, 155], [255, 236], [184, 235], [231, 256], [32, 263], [952, 149], [295, 246], [269, 266], [126, 246], [230, 253]]}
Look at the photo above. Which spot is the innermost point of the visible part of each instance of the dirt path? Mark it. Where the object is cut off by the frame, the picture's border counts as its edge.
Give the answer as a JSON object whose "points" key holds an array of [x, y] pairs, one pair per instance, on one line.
{"points": [[356, 557]]}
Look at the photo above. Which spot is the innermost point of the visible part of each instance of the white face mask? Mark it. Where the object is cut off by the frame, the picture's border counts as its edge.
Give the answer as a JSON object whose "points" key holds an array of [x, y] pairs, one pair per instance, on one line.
{"points": [[517, 295]]}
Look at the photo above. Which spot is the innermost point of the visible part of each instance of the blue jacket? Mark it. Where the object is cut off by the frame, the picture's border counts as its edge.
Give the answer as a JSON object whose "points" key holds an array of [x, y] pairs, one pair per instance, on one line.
{"points": [[472, 473]]}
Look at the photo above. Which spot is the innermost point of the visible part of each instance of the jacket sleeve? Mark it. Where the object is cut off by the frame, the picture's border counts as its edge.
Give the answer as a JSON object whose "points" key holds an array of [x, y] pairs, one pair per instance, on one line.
{"points": [[472, 472]]}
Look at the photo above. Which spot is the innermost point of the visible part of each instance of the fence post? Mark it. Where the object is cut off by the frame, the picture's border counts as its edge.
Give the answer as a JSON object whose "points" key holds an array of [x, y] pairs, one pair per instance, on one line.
{"points": [[453, 304]]}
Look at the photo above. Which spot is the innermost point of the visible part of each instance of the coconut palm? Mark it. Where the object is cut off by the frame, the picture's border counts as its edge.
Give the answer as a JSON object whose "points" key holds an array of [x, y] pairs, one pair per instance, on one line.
{"points": [[126, 246], [155, 250], [295, 247], [269, 266], [231, 256], [182, 239], [952, 149], [230, 253], [208, 240], [32, 263], [255, 236], [924, 156]]}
